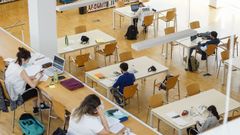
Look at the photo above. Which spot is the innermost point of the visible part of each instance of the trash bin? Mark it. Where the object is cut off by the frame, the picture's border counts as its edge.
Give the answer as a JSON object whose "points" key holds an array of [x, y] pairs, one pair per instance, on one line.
{"points": [[83, 10]]}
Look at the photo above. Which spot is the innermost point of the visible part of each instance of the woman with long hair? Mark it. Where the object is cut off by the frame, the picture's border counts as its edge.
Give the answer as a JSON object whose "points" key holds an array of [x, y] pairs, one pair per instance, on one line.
{"points": [[211, 122], [88, 118], [19, 83]]}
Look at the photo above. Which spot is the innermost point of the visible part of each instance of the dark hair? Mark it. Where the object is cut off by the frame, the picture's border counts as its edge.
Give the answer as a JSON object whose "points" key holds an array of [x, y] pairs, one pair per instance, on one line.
{"points": [[214, 34], [213, 110], [88, 106], [124, 66], [22, 54]]}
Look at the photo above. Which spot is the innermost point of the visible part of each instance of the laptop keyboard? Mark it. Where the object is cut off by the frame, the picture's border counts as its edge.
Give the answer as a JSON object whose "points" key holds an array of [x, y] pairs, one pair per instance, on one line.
{"points": [[50, 71]]}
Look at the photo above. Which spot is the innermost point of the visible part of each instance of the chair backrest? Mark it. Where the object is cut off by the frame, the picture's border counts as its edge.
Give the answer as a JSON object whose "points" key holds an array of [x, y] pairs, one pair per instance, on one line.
{"points": [[59, 109], [143, 0], [156, 101], [235, 42], [81, 59], [171, 82], [225, 55], [110, 48], [170, 15], [5, 92], [80, 29], [193, 89], [2, 64], [90, 65], [129, 91], [125, 56], [195, 25], [119, 3], [169, 30], [148, 20], [211, 49], [233, 117]]}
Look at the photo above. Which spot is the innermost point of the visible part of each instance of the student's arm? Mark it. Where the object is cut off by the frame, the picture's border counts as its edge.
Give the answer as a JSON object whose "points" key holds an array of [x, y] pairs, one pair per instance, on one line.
{"points": [[106, 130], [26, 78], [117, 83]]}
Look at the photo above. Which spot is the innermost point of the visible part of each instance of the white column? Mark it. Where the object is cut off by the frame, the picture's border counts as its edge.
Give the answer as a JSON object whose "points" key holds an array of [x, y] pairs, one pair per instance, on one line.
{"points": [[42, 23]]}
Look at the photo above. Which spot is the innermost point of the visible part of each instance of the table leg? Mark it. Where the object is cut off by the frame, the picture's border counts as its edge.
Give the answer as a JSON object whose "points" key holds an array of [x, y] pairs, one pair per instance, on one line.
{"points": [[224, 73], [151, 119], [113, 20], [179, 132], [108, 93], [187, 60], [166, 51]]}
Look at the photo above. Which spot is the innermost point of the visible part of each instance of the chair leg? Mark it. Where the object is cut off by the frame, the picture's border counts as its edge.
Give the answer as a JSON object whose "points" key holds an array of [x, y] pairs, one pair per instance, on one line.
{"points": [[69, 67], [105, 60], [13, 120], [24, 107], [49, 120], [138, 101], [158, 124], [167, 95], [171, 51], [162, 48], [179, 96], [219, 69]]}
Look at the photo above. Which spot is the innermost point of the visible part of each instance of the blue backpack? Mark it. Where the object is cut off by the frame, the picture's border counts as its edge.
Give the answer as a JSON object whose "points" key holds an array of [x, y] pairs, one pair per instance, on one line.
{"points": [[30, 125]]}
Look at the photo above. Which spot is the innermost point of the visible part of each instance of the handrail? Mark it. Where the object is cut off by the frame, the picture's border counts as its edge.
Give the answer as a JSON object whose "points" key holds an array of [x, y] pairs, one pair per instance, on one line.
{"points": [[17, 24]]}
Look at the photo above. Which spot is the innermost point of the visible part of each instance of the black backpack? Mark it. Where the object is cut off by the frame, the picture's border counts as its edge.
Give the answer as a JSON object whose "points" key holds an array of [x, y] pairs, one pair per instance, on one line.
{"points": [[193, 64], [131, 33]]}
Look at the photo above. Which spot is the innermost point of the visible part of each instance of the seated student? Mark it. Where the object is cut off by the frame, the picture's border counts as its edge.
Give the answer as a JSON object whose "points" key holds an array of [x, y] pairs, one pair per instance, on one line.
{"points": [[211, 122], [17, 79], [88, 118], [141, 13], [202, 47], [126, 79]]}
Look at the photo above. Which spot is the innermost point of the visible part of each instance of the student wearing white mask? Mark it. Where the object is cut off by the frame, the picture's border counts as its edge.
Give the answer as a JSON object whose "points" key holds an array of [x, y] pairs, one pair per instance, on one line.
{"points": [[18, 82], [88, 118]]}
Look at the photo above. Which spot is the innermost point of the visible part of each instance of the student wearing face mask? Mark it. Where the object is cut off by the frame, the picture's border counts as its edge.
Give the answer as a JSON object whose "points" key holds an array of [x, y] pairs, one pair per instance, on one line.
{"points": [[126, 79], [18, 82], [211, 122], [88, 118]]}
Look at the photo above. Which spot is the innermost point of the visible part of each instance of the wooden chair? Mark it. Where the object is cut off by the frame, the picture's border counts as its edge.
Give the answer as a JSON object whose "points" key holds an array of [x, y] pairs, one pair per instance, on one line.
{"points": [[154, 102], [167, 31], [226, 46], [108, 51], [233, 117], [60, 111], [170, 16], [129, 92], [143, 0], [211, 49], [80, 29], [118, 4], [170, 84], [90, 65], [147, 21], [194, 25], [2, 66], [124, 56], [79, 60], [224, 56], [5, 92], [193, 89]]}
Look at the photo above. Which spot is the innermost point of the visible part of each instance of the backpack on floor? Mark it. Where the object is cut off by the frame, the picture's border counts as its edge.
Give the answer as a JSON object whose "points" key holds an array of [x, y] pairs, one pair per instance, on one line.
{"points": [[59, 131], [131, 33], [30, 126], [193, 64]]}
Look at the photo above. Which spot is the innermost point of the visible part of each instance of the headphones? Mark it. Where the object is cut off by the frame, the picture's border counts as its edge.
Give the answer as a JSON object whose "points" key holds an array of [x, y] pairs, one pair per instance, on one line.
{"points": [[152, 69]]}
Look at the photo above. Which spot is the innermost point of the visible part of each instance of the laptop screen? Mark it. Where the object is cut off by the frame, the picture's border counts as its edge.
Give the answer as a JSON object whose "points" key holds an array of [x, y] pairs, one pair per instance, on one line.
{"points": [[58, 63], [134, 7]]}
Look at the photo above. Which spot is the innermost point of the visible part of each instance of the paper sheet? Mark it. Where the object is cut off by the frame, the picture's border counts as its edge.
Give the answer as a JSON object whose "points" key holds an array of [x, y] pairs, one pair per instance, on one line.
{"points": [[9, 60], [180, 121], [112, 121], [171, 114], [116, 128], [40, 62], [33, 69], [44, 77]]}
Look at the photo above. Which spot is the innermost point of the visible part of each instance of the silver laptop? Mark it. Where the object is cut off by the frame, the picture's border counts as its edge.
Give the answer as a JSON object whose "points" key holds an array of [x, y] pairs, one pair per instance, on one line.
{"points": [[57, 65]]}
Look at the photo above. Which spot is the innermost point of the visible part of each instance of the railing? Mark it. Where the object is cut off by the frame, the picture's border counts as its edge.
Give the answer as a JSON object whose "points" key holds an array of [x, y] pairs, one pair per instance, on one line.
{"points": [[19, 23]]}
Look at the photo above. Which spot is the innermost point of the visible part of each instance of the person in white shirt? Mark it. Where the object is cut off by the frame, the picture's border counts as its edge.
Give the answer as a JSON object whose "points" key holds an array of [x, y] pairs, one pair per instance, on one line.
{"points": [[211, 122], [88, 118], [141, 13], [18, 82]]}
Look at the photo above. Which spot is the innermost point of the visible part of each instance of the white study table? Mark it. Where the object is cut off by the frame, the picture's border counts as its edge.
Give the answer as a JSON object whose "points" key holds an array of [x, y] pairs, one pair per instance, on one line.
{"points": [[223, 33], [206, 98], [235, 64], [75, 41], [158, 5], [140, 65]]}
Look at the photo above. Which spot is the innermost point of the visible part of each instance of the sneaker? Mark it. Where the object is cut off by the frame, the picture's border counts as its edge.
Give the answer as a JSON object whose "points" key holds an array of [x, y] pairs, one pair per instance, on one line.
{"points": [[35, 110]]}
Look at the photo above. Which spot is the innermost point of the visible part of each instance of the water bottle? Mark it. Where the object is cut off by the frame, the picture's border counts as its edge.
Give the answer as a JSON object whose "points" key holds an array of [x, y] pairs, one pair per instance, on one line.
{"points": [[66, 40], [191, 111], [55, 77]]}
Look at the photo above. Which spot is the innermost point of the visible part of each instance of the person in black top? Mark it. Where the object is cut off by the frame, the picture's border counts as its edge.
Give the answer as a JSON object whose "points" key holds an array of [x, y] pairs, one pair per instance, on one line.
{"points": [[202, 47]]}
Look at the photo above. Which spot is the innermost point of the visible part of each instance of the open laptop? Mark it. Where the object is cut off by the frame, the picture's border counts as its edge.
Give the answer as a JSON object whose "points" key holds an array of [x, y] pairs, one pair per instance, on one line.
{"points": [[57, 65]]}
